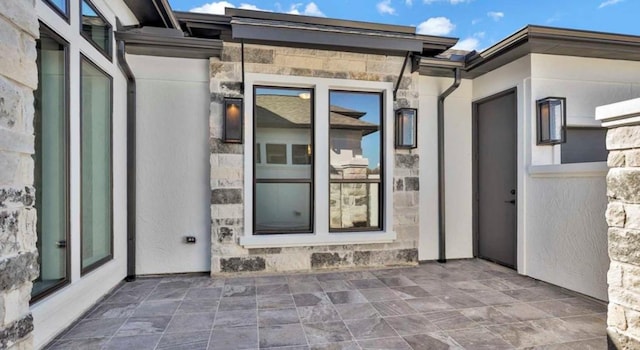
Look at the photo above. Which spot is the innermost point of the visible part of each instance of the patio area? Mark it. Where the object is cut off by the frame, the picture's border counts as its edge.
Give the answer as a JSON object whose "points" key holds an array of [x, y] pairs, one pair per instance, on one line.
{"points": [[466, 304]]}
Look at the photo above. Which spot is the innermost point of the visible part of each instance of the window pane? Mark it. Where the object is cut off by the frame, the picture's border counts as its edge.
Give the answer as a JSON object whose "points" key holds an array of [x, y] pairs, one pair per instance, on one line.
{"points": [[59, 4], [96, 28], [584, 145], [283, 207], [283, 120], [355, 205], [355, 140], [95, 164], [51, 175]]}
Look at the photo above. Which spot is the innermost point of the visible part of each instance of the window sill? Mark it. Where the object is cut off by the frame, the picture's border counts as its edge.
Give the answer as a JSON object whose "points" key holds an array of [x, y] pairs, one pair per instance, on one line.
{"points": [[594, 169], [305, 240]]}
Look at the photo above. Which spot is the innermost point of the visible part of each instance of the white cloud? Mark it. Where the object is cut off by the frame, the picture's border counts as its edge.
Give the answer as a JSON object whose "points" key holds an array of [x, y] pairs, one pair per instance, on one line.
{"points": [[475, 21], [311, 9], [496, 16], [408, 2], [384, 8], [436, 26], [452, 2], [216, 7], [468, 44], [252, 7], [609, 3]]}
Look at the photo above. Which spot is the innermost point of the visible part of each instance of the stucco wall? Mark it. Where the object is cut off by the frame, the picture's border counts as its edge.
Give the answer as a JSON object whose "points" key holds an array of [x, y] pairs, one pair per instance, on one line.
{"points": [[18, 254], [229, 208], [172, 182], [458, 169]]}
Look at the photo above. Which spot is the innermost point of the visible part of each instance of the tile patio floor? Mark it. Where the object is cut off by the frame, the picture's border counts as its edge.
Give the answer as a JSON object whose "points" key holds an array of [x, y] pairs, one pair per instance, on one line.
{"points": [[466, 304]]}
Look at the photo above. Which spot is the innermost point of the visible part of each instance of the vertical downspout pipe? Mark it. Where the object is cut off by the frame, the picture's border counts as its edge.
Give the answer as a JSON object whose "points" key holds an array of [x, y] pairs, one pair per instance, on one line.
{"points": [[442, 255], [131, 161]]}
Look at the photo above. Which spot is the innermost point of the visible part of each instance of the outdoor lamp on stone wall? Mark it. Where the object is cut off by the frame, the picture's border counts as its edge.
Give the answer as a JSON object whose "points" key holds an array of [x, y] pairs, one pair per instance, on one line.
{"points": [[552, 118], [232, 121], [406, 128]]}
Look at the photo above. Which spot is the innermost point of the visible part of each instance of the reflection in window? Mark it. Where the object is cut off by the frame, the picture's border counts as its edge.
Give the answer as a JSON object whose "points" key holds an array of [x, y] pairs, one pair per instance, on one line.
{"points": [[51, 176], [355, 140], [95, 169], [283, 193], [60, 6], [95, 28], [301, 154], [276, 153]]}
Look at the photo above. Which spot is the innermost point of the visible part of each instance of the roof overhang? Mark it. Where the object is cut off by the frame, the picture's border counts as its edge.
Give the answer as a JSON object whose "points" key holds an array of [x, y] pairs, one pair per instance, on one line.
{"points": [[154, 13], [140, 43]]}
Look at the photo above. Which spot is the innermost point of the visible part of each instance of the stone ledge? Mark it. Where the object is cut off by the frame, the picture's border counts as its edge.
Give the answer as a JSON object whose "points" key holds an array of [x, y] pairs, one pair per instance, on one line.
{"points": [[15, 331], [18, 269]]}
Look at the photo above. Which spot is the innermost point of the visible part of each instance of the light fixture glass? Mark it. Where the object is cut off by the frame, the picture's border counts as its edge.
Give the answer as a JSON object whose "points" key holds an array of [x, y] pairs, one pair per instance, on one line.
{"points": [[232, 128], [551, 115], [406, 123]]}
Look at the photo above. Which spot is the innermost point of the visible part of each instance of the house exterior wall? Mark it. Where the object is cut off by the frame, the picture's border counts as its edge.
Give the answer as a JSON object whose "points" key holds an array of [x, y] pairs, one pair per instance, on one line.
{"points": [[623, 219], [18, 254], [57, 311], [228, 164], [172, 185], [458, 168]]}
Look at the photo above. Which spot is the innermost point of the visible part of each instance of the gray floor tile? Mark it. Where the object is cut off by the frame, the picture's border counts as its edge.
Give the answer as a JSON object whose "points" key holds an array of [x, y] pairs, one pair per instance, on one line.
{"points": [[357, 311], [174, 283], [144, 325], [157, 308], [237, 303], [488, 316], [185, 341], [95, 328], [563, 307], [358, 275], [273, 289], [401, 281], [410, 292], [277, 316], [336, 286], [411, 324], [310, 299], [207, 282], [347, 345], [522, 312], [347, 297], [234, 338], [203, 293], [78, 344], [197, 306], [305, 287], [168, 294], [449, 320], [327, 332], [128, 296], [236, 318], [524, 334], [592, 344], [537, 294], [394, 308], [238, 291], [138, 342], [470, 286], [301, 278], [191, 323], [379, 294], [461, 301], [367, 283], [431, 341], [331, 276], [318, 313], [435, 287], [113, 310], [281, 335], [478, 338], [395, 343], [271, 280], [370, 328], [240, 281], [140, 284], [493, 297], [275, 301]]}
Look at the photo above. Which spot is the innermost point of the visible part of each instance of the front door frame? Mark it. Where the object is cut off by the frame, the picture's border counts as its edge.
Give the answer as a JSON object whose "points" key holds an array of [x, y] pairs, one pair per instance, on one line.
{"points": [[475, 165]]}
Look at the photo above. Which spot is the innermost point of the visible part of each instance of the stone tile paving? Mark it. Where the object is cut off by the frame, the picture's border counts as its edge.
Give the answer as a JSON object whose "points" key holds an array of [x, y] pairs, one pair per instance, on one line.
{"points": [[464, 304]]}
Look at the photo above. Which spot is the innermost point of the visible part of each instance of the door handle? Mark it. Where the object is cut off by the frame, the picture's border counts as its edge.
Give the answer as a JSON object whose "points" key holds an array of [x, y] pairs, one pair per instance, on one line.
{"points": [[61, 244], [513, 201]]}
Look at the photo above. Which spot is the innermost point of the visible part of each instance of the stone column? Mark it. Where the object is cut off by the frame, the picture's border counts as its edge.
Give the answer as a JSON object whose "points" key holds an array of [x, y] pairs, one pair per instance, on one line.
{"points": [[623, 218], [18, 254]]}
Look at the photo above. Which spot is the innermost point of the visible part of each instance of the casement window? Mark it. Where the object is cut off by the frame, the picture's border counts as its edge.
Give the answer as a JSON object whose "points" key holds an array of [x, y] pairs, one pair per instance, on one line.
{"points": [[584, 144], [51, 158], [95, 28], [317, 161], [96, 165], [61, 7]]}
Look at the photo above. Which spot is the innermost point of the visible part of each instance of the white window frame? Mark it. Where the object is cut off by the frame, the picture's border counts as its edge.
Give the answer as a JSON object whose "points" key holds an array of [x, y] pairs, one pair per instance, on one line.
{"points": [[321, 235]]}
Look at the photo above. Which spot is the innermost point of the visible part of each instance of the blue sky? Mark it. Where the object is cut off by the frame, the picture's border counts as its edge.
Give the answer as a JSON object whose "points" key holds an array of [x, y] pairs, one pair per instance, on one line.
{"points": [[478, 23]]}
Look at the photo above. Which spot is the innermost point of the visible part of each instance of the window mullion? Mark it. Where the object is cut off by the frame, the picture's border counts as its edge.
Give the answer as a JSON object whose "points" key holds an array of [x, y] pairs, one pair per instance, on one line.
{"points": [[321, 151]]}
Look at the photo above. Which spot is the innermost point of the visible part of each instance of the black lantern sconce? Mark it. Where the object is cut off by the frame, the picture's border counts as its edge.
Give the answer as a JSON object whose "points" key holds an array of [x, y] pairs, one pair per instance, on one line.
{"points": [[551, 114], [406, 121], [232, 121]]}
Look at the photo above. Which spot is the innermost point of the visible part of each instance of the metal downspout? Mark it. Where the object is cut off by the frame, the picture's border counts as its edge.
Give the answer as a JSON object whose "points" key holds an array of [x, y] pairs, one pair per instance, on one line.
{"points": [[442, 255], [131, 161]]}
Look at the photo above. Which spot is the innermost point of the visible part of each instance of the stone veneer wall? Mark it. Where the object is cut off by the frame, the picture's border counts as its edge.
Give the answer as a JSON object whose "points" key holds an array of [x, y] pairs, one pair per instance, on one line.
{"points": [[227, 173], [623, 217], [18, 254]]}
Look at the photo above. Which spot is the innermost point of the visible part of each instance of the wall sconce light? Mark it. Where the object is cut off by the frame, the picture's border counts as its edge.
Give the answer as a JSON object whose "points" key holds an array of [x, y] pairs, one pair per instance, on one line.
{"points": [[232, 121], [552, 119], [406, 128]]}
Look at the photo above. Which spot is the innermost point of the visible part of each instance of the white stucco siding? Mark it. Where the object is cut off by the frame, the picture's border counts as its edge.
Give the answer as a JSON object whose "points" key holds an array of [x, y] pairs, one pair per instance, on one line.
{"points": [[458, 169], [172, 179]]}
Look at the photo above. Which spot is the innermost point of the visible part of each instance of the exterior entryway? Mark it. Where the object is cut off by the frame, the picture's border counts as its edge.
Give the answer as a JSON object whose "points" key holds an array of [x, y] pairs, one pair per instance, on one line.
{"points": [[495, 157]]}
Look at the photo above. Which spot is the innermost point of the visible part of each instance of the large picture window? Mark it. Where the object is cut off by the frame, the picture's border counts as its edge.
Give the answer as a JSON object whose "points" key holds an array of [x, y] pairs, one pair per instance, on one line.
{"points": [[355, 169], [283, 187], [51, 178], [96, 186]]}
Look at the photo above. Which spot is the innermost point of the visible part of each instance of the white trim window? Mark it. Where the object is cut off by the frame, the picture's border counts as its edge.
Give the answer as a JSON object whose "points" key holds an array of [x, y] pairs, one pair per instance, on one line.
{"points": [[323, 163]]}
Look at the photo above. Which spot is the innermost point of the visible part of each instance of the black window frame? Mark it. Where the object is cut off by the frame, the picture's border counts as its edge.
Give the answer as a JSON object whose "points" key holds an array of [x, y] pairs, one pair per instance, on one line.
{"points": [[62, 13], [311, 181], [67, 150], [380, 181], [109, 52], [99, 263]]}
